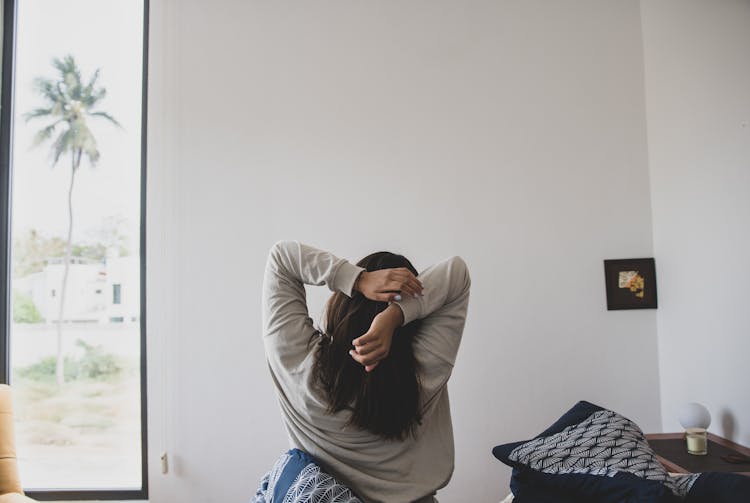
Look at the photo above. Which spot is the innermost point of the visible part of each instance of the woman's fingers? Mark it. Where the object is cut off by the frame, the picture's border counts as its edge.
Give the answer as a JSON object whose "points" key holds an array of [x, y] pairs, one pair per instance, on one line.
{"points": [[364, 339], [405, 275], [368, 359], [383, 285], [356, 357], [401, 288], [367, 348], [404, 281], [406, 287]]}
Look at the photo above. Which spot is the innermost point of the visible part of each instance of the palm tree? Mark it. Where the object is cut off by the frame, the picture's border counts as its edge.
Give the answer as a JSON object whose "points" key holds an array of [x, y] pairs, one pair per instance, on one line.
{"points": [[69, 104]]}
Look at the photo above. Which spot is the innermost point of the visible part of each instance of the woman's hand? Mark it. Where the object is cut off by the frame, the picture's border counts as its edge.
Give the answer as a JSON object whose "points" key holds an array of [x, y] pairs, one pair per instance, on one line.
{"points": [[386, 285], [372, 347]]}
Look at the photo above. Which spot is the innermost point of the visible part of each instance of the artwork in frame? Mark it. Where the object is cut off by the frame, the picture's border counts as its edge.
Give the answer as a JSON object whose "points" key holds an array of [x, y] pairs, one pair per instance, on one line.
{"points": [[631, 283]]}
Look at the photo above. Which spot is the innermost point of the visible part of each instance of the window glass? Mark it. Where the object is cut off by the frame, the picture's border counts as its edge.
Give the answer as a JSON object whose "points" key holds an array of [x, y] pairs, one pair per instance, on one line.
{"points": [[75, 234]]}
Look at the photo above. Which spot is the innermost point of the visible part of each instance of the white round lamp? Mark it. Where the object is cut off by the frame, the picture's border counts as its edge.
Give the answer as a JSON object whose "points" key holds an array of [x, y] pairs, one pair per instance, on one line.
{"points": [[694, 415], [696, 419]]}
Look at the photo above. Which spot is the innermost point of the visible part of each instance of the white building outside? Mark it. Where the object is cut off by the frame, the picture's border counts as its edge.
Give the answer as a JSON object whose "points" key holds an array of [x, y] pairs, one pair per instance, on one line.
{"points": [[98, 292]]}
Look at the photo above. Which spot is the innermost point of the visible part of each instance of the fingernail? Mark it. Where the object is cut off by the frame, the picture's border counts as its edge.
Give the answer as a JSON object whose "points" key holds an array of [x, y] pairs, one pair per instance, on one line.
{"points": [[351, 352], [397, 297], [416, 296]]}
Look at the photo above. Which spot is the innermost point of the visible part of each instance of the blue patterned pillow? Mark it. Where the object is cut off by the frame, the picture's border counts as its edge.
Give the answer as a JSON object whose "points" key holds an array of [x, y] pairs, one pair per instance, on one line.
{"points": [[590, 453], [296, 477]]}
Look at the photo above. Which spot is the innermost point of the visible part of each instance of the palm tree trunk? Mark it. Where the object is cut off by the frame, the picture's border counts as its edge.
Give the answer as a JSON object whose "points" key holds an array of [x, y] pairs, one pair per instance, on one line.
{"points": [[60, 366]]}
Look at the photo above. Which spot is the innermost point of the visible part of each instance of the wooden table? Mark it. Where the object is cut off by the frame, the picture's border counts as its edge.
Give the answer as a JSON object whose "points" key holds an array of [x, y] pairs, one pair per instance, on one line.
{"points": [[671, 450]]}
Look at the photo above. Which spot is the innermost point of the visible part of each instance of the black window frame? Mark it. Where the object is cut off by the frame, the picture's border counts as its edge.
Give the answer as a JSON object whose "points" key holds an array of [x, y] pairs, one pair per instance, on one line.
{"points": [[6, 118]]}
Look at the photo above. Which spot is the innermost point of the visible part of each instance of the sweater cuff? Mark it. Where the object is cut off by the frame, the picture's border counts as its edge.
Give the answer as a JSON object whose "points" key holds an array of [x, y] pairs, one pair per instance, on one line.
{"points": [[410, 307], [343, 280]]}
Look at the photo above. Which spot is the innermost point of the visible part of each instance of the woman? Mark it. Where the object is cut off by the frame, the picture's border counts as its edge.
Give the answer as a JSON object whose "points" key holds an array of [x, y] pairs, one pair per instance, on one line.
{"points": [[367, 398]]}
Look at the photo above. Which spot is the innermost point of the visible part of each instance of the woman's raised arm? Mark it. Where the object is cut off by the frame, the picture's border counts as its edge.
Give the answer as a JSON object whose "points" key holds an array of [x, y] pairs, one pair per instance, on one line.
{"points": [[442, 309], [289, 267], [287, 326]]}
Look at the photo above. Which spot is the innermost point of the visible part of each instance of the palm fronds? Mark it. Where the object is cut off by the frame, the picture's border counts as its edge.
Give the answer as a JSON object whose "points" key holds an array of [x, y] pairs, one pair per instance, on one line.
{"points": [[69, 103]]}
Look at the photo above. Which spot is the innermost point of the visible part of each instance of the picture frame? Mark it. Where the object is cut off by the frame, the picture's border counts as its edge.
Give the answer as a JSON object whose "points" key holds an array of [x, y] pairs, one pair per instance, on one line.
{"points": [[630, 283]]}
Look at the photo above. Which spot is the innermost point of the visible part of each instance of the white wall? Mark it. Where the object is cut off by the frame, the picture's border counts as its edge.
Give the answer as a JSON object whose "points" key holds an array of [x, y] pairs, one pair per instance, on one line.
{"points": [[698, 90], [511, 133]]}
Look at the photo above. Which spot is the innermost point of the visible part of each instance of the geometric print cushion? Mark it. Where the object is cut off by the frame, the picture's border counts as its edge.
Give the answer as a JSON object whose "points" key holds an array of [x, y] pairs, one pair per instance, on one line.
{"points": [[603, 444], [296, 477], [590, 454]]}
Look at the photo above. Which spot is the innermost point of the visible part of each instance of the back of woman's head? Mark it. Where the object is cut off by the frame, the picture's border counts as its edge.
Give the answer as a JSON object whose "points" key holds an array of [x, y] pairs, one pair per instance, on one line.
{"points": [[385, 401]]}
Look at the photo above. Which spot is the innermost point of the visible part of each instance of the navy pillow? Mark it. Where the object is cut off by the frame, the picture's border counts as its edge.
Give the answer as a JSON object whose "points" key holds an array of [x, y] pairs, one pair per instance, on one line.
{"points": [[720, 488], [575, 415], [532, 491], [537, 487], [589, 454]]}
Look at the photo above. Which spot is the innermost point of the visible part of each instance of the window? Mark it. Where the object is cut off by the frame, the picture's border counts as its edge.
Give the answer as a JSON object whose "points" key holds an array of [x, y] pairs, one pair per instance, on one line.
{"points": [[72, 214]]}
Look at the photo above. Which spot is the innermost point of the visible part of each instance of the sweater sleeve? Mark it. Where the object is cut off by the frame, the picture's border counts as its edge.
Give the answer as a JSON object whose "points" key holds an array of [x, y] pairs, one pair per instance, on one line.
{"points": [[287, 326], [443, 310]]}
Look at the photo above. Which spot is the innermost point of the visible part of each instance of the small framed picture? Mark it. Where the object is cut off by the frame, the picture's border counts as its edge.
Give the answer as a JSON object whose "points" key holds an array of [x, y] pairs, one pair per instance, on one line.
{"points": [[631, 283]]}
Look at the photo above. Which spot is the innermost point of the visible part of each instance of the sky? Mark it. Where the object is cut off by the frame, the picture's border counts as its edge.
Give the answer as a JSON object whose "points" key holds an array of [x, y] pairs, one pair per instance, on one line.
{"points": [[104, 34]]}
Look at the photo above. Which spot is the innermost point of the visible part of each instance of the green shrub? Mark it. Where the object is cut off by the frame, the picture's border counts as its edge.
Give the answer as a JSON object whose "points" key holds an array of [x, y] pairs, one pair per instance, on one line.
{"points": [[44, 369], [24, 309], [95, 364]]}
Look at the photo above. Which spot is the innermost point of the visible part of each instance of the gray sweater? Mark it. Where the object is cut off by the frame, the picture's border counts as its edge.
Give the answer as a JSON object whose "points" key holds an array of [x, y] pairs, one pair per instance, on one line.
{"points": [[378, 470]]}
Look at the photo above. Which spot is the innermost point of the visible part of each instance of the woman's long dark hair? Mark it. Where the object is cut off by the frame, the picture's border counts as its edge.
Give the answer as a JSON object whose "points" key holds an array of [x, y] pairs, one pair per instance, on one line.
{"points": [[385, 401]]}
